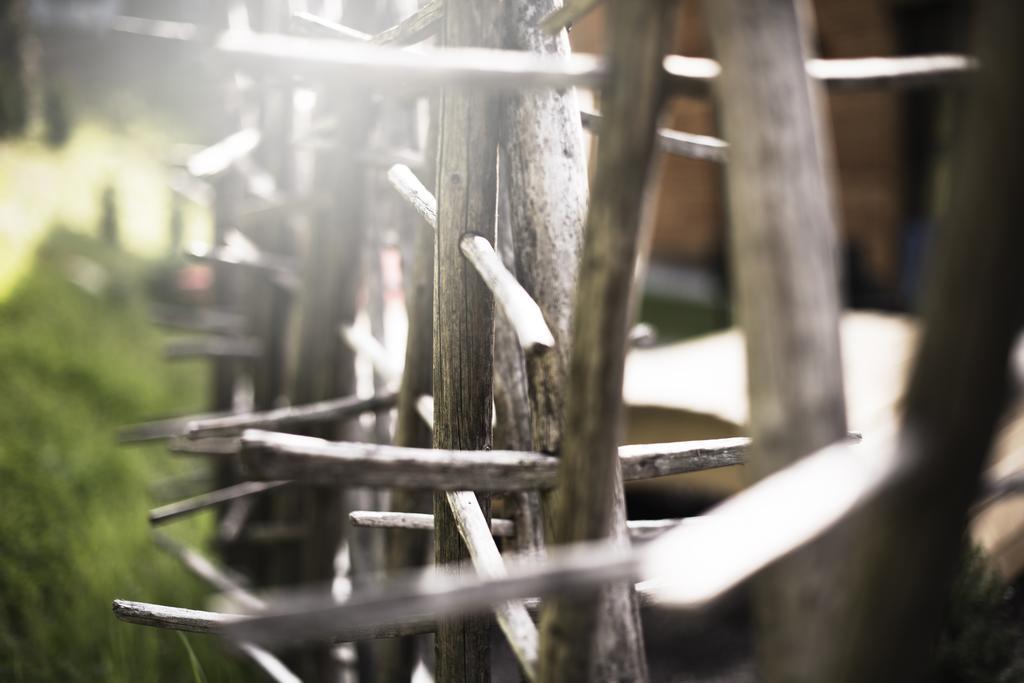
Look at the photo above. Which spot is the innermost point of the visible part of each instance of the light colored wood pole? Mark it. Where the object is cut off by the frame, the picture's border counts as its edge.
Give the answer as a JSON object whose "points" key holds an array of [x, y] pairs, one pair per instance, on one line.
{"points": [[784, 259], [590, 501], [463, 312]]}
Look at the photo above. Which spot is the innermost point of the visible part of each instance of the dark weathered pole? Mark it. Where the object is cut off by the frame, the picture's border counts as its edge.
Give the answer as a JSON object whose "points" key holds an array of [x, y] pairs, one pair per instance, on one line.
{"points": [[589, 503], [463, 311], [784, 256], [974, 307]]}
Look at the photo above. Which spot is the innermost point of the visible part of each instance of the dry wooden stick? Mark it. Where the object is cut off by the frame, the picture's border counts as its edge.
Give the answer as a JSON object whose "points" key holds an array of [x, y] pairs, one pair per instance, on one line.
{"points": [[194, 319], [166, 513], [162, 429], [675, 142], [512, 617], [415, 28], [199, 426], [732, 542], [213, 347], [520, 309], [273, 455], [318, 26], [500, 528], [879, 73], [221, 579]]}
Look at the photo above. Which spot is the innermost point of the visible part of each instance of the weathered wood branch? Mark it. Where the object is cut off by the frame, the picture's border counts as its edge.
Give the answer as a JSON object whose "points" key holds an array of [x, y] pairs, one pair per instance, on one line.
{"points": [[512, 617], [166, 513], [675, 142], [219, 578], [199, 426], [732, 542], [570, 12], [640, 529], [213, 347], [174, 618], [162, 429], [414, 192], [520, 309], [307, 22], [194, 319], [286, 456]]}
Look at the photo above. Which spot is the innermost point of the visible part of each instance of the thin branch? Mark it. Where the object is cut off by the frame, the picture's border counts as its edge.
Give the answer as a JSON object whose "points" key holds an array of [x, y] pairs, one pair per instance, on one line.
{"points": [[166, 513], [417, 27], [521, 310], [675, 142], [162, 429], [414, 192], [193, 319], [317, 26], [219, 578], [214, 347], [880, 73], [321, 411], [512, 617], [221, 155], [731, 543], [641, 529], [571, 12], [502, 528], [274, 455]]}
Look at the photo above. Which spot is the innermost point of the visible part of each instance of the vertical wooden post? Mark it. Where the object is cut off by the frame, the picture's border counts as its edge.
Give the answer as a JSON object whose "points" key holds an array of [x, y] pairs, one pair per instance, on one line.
{"points": [[784, 261], [589, 504], [911, 541], [463, 311], [546, 174]]}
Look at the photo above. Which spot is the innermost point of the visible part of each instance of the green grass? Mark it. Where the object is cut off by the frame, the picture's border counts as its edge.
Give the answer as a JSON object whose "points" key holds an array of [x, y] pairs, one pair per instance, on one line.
{"points": [[73, 530]]}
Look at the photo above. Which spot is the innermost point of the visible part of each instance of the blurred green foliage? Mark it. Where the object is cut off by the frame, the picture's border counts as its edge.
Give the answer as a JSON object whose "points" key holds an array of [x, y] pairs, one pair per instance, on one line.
{"points": [[74, 366]]}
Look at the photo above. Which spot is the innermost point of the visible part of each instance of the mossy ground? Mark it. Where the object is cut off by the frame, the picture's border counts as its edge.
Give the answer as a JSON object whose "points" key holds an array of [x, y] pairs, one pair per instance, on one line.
{"points": [[75, 366]]}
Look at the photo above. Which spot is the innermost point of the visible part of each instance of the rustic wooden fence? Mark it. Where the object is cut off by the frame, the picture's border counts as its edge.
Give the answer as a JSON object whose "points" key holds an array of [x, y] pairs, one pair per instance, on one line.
{"points": [[515, 409]]}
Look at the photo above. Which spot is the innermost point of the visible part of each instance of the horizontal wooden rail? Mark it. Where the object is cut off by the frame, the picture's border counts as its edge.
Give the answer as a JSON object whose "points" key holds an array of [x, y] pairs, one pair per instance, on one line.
{"points": [[500, 528], [194, 319], [225, 582], [168, 428], [219, 425], [188, 506], [210, 445], [386, 66], [272, 455], [512, 617], [752, 529], [675, 142], [213, 346], [417, 27]]}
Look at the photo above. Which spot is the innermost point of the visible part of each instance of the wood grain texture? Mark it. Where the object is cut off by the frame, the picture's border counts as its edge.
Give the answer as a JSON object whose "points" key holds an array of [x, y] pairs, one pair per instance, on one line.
{"points": [[463, 311], [784, 259], [589, 503]]}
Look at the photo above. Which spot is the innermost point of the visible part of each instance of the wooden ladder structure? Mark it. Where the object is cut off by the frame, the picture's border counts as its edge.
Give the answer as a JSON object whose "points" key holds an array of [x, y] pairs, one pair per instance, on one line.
{"points": [[520, 297]]}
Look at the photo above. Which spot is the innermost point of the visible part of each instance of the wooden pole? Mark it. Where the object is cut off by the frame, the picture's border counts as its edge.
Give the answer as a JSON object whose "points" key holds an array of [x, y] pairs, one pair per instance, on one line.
{"points": [[590, 501], [911, 541], [463, 312], [784, 256]]}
